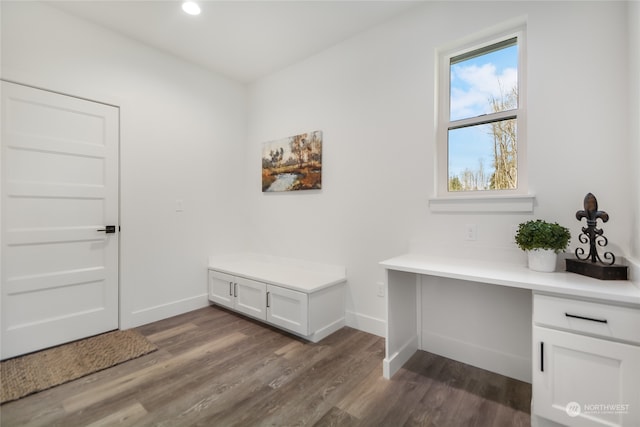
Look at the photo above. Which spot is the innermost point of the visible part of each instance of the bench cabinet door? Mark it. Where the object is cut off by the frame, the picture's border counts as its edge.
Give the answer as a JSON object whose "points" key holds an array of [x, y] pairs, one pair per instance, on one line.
{"points": [[288, 309], [250, 297], [221, 288]]}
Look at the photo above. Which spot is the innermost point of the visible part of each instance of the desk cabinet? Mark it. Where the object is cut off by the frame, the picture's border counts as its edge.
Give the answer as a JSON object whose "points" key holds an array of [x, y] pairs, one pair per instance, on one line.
{"points": [[586, 363], [585, 335]]}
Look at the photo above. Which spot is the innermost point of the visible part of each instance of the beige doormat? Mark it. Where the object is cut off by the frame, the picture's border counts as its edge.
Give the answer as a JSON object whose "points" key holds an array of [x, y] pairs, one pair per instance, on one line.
{"points": [[39, 371]]}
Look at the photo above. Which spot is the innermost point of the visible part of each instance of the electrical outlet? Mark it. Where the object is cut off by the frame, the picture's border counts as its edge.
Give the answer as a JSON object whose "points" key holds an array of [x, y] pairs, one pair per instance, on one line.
{"points": [[470, 232], [380, 289]]}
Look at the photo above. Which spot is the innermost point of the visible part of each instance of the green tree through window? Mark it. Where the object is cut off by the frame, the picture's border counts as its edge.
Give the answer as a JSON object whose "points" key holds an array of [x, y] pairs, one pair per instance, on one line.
{"points": [[482, 127]]}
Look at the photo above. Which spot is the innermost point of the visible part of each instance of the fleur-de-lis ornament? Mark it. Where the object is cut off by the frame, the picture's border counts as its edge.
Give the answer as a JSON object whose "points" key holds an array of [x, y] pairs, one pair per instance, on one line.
{"points": [[591, 233]]}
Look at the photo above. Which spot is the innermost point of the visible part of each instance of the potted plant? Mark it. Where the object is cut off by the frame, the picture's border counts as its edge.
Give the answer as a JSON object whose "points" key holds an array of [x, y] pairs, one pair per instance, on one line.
{"points": [[542, 241]]}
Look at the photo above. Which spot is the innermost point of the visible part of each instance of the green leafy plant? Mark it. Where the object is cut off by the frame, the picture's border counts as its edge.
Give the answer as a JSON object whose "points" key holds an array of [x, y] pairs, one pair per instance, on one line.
{"points": [[539, 234]]}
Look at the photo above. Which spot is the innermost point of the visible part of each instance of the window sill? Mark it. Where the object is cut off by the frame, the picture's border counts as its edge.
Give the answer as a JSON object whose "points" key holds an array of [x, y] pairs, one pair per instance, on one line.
{"points": [[483, 204]]}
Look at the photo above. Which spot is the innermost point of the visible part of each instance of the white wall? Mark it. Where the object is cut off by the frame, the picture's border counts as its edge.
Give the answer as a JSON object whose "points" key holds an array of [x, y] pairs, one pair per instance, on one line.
{"points": [[182, 137], [373, 97], [634, 125], [185, 135]]}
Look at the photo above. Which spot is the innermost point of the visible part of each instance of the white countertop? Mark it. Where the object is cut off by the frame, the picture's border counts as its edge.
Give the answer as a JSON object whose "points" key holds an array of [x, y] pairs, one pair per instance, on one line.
{"points": [[518, 276], [300, 275]]}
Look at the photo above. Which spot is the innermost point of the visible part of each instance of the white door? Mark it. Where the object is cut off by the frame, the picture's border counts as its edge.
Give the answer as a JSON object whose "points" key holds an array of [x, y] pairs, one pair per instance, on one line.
{"points": [[221, 288], [250, 297], [288, 309], [584, 381], [59, 192]]}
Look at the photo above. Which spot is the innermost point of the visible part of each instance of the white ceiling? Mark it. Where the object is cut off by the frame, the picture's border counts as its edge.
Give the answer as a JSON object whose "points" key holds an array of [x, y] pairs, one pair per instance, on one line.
{"points": [[243, 40]]}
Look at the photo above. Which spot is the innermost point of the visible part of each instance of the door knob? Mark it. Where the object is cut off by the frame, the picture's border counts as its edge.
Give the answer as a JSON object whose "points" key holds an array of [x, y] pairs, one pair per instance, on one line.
{"points": [[108, 229]]}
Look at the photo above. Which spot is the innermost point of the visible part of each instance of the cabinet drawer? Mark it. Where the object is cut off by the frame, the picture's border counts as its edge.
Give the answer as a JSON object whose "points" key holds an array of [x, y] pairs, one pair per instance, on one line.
{"points": [[608, 321]]}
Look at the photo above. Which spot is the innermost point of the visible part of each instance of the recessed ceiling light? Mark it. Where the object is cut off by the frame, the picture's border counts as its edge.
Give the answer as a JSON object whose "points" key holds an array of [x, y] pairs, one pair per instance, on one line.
{"points": [[191, 8]]}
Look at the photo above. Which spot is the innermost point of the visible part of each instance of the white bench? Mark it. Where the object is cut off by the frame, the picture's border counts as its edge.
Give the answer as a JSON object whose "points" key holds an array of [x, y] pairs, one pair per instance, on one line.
{"points": [[302, 297]]}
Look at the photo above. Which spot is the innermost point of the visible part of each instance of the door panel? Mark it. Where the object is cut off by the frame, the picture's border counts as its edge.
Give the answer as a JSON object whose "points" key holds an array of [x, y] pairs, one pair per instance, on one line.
{"points": [[59, 187], [569, 368], [250, 297], [288, 309], [221, 288]]}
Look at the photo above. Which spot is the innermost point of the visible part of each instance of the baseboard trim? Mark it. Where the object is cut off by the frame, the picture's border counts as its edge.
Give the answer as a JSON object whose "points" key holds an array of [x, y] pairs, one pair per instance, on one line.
{"points": [[392, 363], [163, 311], [509, 365], [362, 322], [322, 333]]}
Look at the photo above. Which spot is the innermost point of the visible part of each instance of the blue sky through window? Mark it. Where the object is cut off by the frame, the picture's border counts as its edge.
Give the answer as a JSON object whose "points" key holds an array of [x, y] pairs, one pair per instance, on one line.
{"points": [[473, 82]]}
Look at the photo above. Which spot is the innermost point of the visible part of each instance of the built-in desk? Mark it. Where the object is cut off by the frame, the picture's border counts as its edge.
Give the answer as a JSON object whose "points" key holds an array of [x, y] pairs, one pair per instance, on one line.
{"points": [[594, 316]]}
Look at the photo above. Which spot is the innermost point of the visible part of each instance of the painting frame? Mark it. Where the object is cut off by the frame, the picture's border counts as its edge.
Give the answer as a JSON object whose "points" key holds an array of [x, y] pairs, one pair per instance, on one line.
{"points": [[293, 163]]}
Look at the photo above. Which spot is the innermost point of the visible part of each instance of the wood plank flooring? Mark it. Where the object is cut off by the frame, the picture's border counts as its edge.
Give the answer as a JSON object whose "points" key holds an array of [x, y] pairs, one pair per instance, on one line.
{"points": [[216, 368]]}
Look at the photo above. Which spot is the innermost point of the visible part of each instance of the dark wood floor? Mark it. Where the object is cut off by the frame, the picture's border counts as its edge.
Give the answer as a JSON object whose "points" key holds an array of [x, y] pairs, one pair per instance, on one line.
{"points": [[215, 368]]}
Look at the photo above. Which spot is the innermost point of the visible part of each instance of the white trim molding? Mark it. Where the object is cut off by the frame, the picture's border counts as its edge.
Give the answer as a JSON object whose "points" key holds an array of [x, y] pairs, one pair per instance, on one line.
{"points": [[163, 311], [507, 203], [362, 322]]}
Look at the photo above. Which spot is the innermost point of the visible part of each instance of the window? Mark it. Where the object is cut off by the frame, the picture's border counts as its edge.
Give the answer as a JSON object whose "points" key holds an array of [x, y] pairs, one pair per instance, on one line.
{"points": [[481, 146]]}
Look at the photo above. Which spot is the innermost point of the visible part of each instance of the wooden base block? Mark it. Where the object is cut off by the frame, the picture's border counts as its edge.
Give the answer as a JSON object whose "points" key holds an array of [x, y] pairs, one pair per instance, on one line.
{"points": [[597, 270]]}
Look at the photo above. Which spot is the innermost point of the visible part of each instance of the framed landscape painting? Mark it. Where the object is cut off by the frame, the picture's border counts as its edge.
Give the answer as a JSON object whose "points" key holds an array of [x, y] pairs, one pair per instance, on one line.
{"points": [[293, 163]]}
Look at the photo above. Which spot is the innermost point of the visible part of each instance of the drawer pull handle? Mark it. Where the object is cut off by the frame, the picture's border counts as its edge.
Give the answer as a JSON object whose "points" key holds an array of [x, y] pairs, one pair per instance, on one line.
{"points": [[575, 316], [268, 305], [541, 356]]}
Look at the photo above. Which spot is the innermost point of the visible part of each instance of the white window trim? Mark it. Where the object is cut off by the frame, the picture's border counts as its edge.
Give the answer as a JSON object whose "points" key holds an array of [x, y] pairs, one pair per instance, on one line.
{"points": [[487, 200], [475, 204]]}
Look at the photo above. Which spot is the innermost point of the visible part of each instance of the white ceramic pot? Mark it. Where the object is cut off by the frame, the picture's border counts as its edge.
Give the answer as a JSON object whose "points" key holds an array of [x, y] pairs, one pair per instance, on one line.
{"points": [[542, 260]]}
